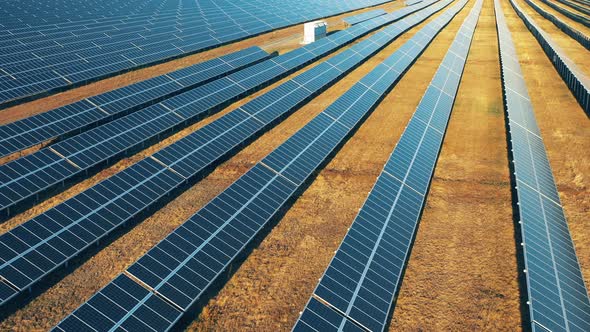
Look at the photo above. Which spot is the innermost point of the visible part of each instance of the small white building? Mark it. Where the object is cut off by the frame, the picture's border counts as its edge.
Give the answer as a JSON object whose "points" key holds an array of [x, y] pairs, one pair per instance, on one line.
{"points": [[313, 31]]}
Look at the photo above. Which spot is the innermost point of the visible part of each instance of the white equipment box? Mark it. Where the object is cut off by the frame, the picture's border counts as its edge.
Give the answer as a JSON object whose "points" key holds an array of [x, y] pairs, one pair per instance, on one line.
{"points": [[313, 31]]}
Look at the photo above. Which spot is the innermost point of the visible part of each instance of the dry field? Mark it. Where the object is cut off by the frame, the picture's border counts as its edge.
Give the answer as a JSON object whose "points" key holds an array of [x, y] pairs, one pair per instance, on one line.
{"points": [[462, 274]]}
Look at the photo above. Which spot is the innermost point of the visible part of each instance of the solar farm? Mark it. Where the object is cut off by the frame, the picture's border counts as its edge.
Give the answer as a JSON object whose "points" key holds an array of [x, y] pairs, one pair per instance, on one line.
{"points": [[200, 165]]}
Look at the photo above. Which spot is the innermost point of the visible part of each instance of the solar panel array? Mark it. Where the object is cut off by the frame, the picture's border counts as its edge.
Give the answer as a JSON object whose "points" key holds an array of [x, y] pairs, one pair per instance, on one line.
{"points": [[40, 245], [183, 268], [573, 77], [575, 6], [359, 286], [24, 15], [38, 60], [574, 16], [26, 177], [575, 34], [557, 296], [352, 20], [583, 2], [74, 118]]}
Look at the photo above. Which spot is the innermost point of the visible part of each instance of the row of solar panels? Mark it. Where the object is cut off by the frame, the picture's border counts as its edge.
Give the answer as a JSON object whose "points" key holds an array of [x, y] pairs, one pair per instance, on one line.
{"points": [[37, 247], [45, 71], [75, 117], [575, 34], [583, 2], [557, 297], [23, 13], [352, 20], [28, 177], [108, 24], [574, 16], [574, 78], [573, 5], [186, 265], [101, 33], [79, 116], [358, 289], [17, 21]]}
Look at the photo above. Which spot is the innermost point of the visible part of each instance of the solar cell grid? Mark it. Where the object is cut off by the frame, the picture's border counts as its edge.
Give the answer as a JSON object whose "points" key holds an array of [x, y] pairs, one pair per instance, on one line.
{"points": [[557, 296], [360, 284], [81, 58], [205, 244], [352, 20], [573, 77], [103, 143], [113, 203]]}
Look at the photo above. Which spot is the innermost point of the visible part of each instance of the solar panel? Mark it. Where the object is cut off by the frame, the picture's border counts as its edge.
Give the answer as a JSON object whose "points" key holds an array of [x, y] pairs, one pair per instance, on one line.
{"points": [[557, 296], [570, 31], [104, 50], [573, 77], [96, 147], [359, 286], [113, 202], [575, 6], [574, 16], [184, 266], [76, 117], [352, 20]]}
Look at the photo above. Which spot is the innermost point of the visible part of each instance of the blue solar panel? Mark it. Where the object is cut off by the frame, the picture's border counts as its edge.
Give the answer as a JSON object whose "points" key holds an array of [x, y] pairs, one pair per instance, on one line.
{"points": [[75, 117], [557, 296], [90, 50], [110, 141], [188, 158], [573, 77], [362, 280], [352, 20], [182, 267]]}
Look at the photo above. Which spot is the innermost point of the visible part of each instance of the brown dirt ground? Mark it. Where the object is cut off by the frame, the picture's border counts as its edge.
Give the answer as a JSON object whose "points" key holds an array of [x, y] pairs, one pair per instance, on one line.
{"points": [[566, 133], [573, 50], [462, 274], [470, 277]]}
